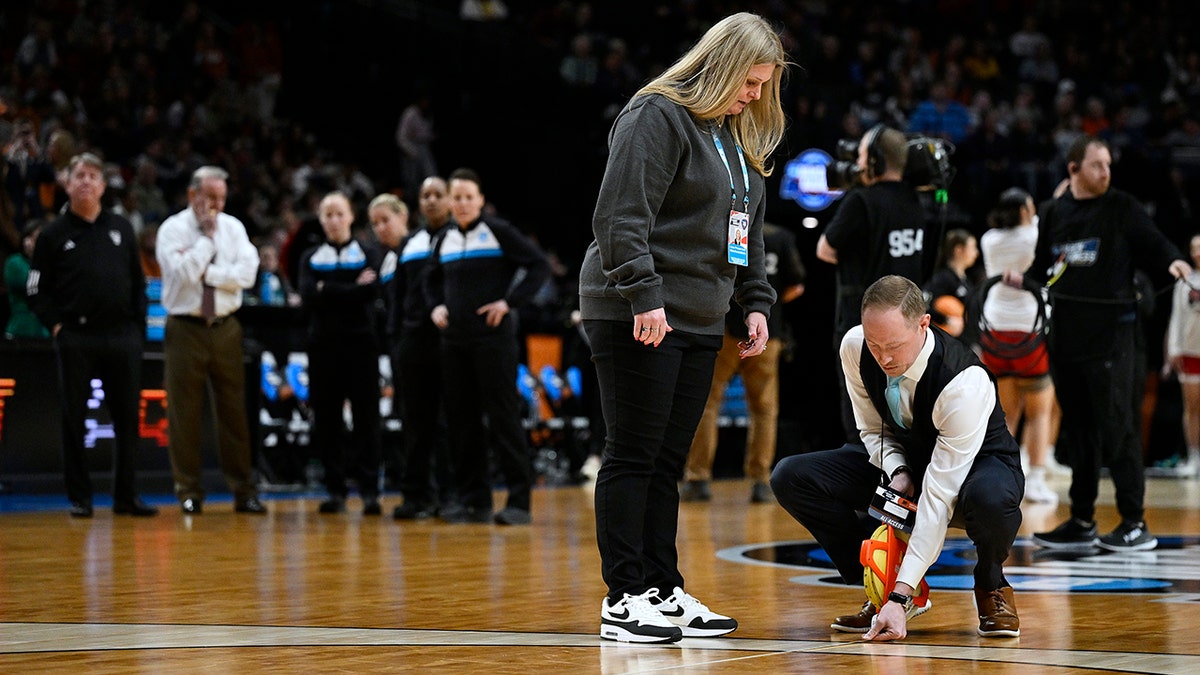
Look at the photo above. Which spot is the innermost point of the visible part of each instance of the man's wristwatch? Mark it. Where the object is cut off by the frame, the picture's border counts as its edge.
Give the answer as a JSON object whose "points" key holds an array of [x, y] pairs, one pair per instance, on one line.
{"points": [[901, 599]]}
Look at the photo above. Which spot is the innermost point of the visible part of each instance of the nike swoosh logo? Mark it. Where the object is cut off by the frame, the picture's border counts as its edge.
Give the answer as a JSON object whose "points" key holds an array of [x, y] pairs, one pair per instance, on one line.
{"points": [[622, 615], [678, 611]]}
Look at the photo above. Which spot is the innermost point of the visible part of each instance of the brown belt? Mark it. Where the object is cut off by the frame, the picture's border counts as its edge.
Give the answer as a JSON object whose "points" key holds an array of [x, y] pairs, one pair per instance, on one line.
{"points": [[199, 320]]}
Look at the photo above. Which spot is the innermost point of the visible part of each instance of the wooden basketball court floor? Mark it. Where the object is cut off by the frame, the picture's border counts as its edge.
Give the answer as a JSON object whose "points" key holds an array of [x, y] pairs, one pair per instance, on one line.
{"points": [[295, 591]]}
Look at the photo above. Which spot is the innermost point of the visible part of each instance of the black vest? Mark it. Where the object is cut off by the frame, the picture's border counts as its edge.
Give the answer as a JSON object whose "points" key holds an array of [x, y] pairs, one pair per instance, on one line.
{"points": [[949, 358]]}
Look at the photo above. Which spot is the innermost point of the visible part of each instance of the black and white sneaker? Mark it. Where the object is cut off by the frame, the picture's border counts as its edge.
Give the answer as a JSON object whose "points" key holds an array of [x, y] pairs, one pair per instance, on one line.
{"points": [[1129, 536], [693, 617], [1074, 534], [635, 618]]}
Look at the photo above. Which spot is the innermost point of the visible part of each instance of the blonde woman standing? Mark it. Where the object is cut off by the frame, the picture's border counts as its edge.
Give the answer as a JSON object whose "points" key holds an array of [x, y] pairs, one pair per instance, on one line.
{"points": [[683, 187]]}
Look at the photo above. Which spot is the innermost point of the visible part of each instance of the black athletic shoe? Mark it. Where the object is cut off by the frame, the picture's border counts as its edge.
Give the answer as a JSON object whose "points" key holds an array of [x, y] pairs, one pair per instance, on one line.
{"points": [[1073, 534], [1129, 536]]}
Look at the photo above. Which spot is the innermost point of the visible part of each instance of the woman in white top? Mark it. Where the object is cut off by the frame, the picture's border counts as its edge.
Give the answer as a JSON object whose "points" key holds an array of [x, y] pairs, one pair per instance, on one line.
{"points": [[1011, 344], [1183, 356]]}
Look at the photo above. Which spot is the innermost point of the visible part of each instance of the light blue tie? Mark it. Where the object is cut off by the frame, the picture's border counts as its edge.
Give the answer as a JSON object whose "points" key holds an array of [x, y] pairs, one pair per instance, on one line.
{"points": [[892, 394]]}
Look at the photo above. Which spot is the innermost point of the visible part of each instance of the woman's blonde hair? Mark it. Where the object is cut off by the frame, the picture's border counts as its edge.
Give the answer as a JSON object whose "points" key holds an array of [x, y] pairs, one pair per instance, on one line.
{"points": [[390, 201], [707, 79]]}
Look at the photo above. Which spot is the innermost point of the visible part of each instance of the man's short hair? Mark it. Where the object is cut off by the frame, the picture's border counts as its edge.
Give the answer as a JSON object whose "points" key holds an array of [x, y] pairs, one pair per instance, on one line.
{"points": [[893, 145], [206, 172], [894, 291], [91, 159], [1079, 148]]}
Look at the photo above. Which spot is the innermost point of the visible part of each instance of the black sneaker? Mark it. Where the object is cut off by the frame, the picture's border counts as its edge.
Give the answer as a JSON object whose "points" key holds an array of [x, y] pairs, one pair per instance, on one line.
{"points": [[1073, 534], [1129, 536], [413, 511], [466, 514], [761, 493], [511, 515], [335, 504], [695, 491]]}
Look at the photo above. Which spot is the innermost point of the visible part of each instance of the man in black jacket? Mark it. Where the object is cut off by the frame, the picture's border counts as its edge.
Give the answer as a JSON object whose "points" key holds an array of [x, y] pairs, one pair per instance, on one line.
{"points": [[1090, 241], [86, 285], [879, 229]]}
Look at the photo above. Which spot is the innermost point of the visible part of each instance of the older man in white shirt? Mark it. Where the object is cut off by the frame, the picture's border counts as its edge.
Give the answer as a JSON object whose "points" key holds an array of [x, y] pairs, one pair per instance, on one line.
{"points": [[207, 260], [931, 428]]}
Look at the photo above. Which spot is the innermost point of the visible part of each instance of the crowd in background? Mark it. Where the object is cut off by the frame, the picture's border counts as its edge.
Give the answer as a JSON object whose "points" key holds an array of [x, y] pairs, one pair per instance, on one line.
{"points": [[352, 97]]}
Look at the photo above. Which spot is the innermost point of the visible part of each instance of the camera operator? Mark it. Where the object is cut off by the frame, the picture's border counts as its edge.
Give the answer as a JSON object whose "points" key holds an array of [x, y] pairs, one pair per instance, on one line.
{"points": [[878, 230]]}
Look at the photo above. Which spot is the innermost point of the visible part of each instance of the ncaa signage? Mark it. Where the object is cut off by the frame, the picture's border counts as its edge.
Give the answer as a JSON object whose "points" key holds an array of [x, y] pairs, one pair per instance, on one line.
{"points": [[804, 181], [1172, 568]]}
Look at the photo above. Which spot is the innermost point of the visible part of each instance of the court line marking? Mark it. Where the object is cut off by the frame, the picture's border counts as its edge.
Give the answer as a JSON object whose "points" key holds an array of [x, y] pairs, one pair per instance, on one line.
{"points": [[25, 638]]}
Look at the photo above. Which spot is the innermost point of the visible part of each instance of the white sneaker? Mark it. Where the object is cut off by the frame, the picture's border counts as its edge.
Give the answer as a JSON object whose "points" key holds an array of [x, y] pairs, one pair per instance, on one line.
{"points": [[1189, 468], [1053, 467], [1036, 490], [635, 618], [693, 617], [591, 468]]}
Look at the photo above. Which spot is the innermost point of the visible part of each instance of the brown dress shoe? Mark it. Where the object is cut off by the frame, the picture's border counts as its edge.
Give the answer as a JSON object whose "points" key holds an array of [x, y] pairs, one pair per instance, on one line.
{"points": [[856, 623], [997, 613]]}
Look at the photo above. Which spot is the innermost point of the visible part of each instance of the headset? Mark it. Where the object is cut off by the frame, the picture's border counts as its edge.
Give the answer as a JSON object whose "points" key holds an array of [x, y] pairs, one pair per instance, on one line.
{"points": [[876, 163]]}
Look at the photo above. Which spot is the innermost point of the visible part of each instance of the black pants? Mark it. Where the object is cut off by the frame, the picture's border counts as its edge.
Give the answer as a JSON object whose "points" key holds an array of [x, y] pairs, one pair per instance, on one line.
{"points": [[827, 491], [114, 356], [426, 459], [652, 400], [339, 371], [479, 378], [1099, 425]]}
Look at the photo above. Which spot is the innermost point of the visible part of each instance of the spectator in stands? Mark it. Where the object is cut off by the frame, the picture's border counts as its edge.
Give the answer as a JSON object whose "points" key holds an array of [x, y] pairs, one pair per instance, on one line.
{"points": [[22, 322], [271, 287], [941, 116], [414, 137], [27, 172]]}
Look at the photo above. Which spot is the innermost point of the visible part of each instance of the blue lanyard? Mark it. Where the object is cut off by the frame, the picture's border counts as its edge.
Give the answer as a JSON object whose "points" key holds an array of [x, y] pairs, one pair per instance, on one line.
{"points": [[716, 135]]}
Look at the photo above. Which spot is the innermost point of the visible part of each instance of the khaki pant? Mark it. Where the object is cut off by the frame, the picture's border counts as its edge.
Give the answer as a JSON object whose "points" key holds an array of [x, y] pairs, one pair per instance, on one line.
{"points": [[761, 377], [195, 355]]}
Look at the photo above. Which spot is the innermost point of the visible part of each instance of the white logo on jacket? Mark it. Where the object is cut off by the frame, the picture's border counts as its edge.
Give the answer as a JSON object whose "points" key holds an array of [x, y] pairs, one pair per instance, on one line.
{"points": [[327, 258], [480, 242], [418, 247]]}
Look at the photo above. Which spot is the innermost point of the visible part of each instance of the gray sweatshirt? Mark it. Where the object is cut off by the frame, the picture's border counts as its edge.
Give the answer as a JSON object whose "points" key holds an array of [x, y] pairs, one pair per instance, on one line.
{"points": [[662, 223]]}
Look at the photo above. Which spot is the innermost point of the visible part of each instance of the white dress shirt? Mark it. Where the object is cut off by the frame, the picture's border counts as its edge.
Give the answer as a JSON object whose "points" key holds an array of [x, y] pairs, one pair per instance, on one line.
{"points": [[227, 261], [960, 415]]}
